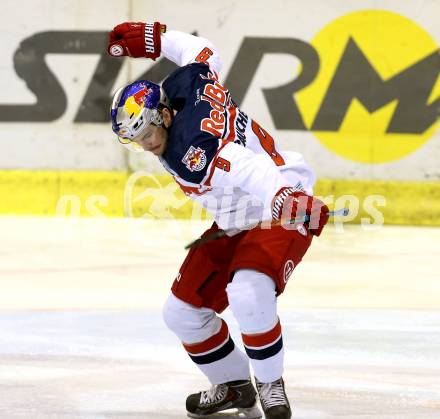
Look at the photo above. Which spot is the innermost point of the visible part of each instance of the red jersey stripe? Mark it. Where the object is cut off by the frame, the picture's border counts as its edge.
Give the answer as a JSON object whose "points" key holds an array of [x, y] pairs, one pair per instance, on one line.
{"points": [[232, 113], [207, 182]]}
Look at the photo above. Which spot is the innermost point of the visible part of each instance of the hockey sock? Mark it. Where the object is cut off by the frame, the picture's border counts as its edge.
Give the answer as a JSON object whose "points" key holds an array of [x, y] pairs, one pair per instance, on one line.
{"points": [[218, 357], [266, 353], [252, 299]]}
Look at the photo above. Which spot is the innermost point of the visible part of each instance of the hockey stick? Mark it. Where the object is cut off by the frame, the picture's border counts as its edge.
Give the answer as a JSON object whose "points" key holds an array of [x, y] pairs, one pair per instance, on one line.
{"points": [[221, 233]]}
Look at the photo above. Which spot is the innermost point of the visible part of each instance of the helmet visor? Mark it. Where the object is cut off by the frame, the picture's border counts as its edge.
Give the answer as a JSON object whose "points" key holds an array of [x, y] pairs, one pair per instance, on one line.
{"points": [[130, 145]]}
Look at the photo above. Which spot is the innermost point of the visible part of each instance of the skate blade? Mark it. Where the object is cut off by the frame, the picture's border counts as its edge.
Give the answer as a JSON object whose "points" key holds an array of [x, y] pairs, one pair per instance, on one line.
{"points": [[238, 413]]}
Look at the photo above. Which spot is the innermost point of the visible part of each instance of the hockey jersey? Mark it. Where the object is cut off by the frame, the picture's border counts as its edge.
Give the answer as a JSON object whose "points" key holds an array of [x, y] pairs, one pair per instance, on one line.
{"points": [[219, 156]]}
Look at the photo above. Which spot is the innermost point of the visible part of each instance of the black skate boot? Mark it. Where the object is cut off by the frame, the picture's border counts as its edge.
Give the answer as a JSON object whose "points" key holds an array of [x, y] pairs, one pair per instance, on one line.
{"points": [[235, 399], [274, 400]]}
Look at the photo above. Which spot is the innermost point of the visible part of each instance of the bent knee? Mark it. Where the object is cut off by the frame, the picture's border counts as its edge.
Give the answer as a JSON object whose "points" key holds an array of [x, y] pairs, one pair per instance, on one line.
{"points": [[170, 313], [252, 299], [251, 288], [189, 323]]}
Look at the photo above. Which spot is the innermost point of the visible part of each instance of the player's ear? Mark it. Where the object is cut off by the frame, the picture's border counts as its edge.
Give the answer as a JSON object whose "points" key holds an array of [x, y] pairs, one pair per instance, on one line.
{"points": [[167, 117]]}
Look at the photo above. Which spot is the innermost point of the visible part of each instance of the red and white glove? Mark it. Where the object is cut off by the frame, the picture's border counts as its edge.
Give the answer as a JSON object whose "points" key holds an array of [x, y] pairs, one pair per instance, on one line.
{"points": [[290, 203], [136, 39]]}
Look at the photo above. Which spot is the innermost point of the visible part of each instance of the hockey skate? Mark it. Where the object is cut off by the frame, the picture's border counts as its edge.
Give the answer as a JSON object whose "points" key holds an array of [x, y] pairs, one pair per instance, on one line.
{"points": [[235, 399], [274, 400]]}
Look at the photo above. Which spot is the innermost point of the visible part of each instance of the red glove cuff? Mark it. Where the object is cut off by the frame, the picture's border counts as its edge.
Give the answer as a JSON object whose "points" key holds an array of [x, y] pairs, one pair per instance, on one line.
{"points": [[290, 203], [152, 32], [280, 199]]}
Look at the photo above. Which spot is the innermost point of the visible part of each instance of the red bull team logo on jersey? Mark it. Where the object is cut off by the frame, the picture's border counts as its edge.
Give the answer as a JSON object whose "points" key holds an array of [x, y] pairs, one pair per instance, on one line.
{"points": [[195, 159], [135, 103]]}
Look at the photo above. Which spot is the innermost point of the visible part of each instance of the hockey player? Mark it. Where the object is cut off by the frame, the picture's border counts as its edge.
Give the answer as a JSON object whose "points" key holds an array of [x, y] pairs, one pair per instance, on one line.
{"points": [[227, 162]]}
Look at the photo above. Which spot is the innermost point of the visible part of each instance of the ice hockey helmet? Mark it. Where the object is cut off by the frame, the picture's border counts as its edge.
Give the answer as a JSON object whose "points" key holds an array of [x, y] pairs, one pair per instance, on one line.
{"points": [[135, 106]]}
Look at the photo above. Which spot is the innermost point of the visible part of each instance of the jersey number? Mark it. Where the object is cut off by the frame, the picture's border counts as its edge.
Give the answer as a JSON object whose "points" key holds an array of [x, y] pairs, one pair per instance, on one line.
{"points": [[223, 164], [268, 144], [204, 55]]}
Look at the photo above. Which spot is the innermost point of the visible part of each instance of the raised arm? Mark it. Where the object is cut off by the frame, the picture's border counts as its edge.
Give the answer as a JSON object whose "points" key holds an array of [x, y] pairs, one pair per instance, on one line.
{"points": [[183, 48], [151, 40]]}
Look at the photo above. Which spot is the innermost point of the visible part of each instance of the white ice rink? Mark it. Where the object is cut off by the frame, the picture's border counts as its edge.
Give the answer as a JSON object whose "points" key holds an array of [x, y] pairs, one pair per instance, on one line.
{"points": [[81, 333]]}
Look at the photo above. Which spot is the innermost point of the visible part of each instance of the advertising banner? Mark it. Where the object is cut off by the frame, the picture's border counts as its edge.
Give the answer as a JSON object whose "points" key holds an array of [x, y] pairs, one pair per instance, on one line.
{"points": [[353, 86]]}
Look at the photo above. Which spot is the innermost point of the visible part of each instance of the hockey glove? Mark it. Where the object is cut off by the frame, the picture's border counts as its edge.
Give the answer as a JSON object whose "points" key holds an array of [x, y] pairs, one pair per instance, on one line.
{"points": [[289, 204], [136, 39]]}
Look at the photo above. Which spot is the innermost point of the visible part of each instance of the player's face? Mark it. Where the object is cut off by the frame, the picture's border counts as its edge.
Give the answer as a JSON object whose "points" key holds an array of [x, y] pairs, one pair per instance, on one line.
{"points": [[155, 139]]}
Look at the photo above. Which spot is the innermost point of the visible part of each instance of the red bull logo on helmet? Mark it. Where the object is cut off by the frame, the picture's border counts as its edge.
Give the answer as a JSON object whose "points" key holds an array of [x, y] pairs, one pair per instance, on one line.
{"points": [[195, 159], [134, 104]]}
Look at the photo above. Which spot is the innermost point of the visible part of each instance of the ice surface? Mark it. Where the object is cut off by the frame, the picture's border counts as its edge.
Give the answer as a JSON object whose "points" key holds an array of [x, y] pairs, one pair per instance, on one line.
{"points": [[81, 333]]}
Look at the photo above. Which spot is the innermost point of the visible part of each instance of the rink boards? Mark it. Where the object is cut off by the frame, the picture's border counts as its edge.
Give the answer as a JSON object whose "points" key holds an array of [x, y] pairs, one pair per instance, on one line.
{"points": [[157, 196]]}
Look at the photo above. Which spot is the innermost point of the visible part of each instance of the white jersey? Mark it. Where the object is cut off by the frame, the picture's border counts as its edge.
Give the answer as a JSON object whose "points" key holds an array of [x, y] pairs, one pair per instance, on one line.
{"points": [[219, 156]]}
